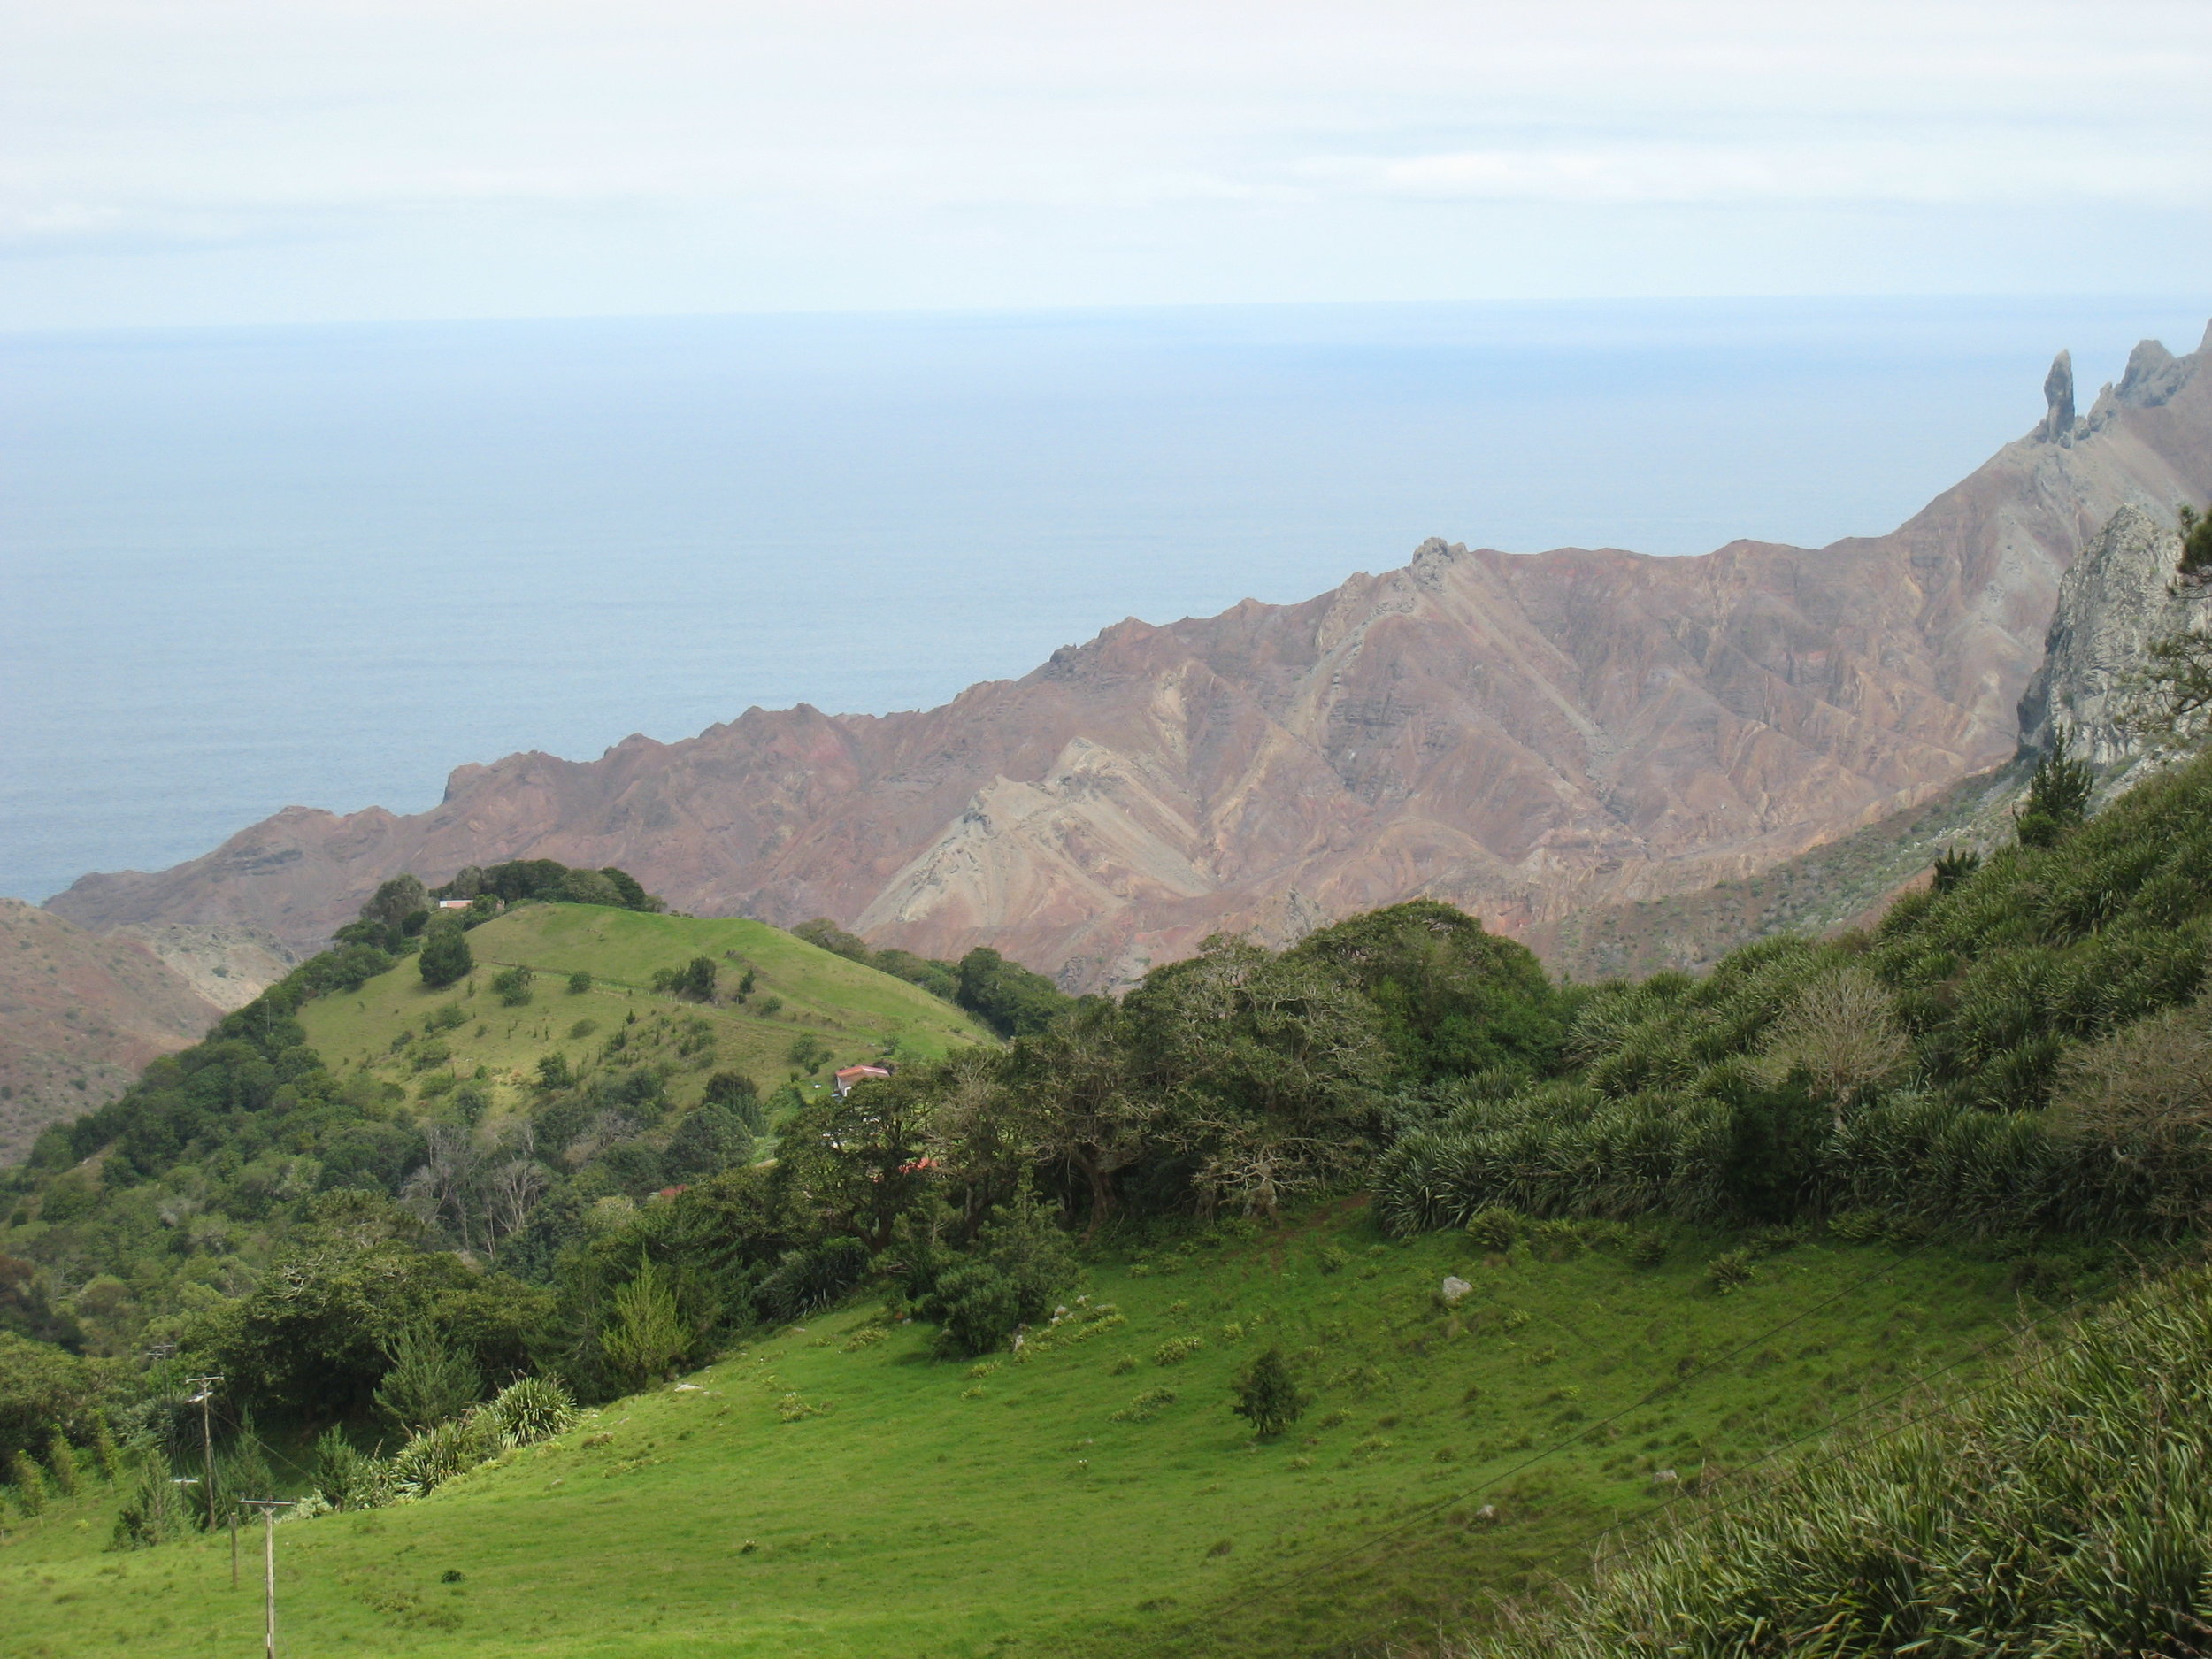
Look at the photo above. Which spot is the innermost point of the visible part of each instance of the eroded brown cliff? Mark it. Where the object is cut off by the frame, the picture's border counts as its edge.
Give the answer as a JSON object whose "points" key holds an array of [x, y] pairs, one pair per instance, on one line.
{"points": [[1522, 736]]}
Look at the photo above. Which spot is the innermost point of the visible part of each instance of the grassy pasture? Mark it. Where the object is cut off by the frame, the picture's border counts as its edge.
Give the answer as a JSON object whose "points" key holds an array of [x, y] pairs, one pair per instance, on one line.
{"points": [[832, 1491], [853, 1010]]}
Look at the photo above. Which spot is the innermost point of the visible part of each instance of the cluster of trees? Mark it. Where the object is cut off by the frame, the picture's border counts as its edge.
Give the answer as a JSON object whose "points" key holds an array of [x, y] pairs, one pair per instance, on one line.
{"points": [[549, 881], [607, 1233], [1009, 998]]}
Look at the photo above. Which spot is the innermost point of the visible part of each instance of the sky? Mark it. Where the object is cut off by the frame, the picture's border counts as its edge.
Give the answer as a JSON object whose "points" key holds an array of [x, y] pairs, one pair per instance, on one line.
{"points": [[182, 162]]}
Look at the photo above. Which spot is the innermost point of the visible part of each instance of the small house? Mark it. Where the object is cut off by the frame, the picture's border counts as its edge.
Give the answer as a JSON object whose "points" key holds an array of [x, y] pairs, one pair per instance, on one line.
{"points": [[849, 1075]]}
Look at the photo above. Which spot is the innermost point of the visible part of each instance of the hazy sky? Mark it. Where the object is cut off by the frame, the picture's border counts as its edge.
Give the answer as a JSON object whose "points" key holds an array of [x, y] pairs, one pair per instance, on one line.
{"points": [[236, 160]]}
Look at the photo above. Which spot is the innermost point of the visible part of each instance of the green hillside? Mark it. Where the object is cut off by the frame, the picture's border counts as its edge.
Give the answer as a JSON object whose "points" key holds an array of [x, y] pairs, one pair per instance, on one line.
{"points": [[831, 1490], [856, 1011], [960, 1349]]}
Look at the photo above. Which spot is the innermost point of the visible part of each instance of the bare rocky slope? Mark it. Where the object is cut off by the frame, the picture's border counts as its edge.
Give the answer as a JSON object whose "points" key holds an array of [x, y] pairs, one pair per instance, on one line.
{"points": [[2121, 594], [79, 1015], [1525, 735]]}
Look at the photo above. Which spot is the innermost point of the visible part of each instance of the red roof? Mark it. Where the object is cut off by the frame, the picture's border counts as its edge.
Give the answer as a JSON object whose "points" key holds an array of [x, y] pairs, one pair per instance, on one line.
{"points": [[853, 1073]]}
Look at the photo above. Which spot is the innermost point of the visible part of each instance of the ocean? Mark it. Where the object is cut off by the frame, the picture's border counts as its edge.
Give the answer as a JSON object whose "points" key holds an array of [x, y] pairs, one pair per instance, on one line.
{"points": [[246, 568]]}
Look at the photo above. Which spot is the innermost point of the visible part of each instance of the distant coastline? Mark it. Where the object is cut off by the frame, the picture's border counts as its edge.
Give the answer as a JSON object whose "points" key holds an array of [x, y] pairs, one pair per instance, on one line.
{"points": [[247, 568]]}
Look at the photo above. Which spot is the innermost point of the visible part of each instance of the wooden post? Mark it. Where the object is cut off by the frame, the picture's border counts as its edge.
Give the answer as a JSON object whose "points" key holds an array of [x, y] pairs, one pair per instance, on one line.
{"points": [[207, 1440], [268, 1508], [234, 1545]]}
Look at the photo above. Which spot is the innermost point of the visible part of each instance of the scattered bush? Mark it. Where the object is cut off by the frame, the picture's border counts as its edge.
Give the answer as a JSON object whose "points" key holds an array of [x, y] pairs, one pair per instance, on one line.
{"points": [[1146, 1405], [435, 1455], [1496, 1227], [1266, 1395], [531, 1409], [1732, 1270]]}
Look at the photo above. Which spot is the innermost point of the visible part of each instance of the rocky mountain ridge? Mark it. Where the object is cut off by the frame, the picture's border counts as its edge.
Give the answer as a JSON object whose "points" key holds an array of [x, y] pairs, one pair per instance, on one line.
{"points": [[2121, 594], [1525, 735]]}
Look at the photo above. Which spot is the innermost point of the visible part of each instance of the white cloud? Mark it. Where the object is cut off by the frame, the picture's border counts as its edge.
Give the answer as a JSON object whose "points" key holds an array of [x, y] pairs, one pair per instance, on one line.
{"points": [[491, 155]]}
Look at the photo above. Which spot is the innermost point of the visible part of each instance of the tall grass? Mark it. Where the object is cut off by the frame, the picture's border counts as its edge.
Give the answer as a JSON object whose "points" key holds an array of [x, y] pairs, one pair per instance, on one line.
{"points": [[2065, 1509]]}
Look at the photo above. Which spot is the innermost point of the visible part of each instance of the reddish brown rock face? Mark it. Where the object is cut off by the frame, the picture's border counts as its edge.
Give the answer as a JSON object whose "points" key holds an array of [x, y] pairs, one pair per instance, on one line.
{"points": [[1518, 734]]}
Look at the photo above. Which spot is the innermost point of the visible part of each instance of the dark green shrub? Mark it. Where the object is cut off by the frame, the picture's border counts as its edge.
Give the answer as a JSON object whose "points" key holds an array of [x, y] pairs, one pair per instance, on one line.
{"points": [[1267, 1395], [814, 1278], [1496, 1226], [445, 958]]}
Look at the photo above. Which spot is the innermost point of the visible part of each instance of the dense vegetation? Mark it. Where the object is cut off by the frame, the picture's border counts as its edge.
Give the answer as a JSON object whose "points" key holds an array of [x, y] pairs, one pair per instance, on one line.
{"points": [[2017, 1053], [2013, 1064]]}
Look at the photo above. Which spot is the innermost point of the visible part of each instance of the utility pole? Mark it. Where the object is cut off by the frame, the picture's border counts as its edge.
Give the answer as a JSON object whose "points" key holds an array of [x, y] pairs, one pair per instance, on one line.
{"points": [[268, 1508], [204, 1399]]}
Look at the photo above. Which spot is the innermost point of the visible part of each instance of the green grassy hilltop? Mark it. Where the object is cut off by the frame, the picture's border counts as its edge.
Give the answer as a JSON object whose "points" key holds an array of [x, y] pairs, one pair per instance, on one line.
{"points": [[799, 988], [831, 1490]]}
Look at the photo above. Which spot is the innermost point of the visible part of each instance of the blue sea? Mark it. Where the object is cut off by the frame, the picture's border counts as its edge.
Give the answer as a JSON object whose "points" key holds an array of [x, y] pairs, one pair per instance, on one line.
{"points": [[244, 568]]}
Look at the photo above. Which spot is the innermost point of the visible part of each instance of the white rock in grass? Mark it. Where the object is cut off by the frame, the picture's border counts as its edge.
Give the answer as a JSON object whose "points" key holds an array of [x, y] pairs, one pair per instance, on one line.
{"points": [[1454, 1289]]}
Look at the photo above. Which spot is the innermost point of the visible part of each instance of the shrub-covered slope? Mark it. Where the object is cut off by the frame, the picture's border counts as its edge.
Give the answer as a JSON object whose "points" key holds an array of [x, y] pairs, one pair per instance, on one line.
{"points": [[501, 1121], [2021, 1051]]}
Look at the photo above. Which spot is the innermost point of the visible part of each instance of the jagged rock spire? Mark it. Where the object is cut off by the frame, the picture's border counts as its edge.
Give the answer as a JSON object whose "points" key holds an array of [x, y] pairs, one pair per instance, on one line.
{"points": [[2058, 394]]}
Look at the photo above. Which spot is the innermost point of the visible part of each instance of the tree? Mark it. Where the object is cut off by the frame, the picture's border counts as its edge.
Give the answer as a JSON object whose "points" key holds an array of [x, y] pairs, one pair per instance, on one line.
{"points": [[645, 1338], [397, 903], [1842, 1033], [1021, 1263], [807, 1052], [1270, 1070], [1267, 1395], [30, 1480], [712, 1138], [2166, 701], [428, 1381], [445, 959], [1005, 996], [2058, 796], [1454, 997], [513, 984], [739, 1094], [580, 982], [697, 979], [61, 1460]]}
